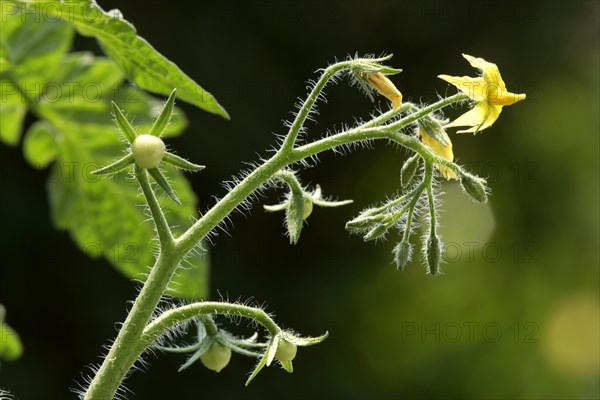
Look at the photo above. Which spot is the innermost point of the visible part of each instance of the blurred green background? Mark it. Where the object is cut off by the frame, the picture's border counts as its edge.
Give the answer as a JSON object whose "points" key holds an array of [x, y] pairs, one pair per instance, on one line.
{"points": [[515, 314]]}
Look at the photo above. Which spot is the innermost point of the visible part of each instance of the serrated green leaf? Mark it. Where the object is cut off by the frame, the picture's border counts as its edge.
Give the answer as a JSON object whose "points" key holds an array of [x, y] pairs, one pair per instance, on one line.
{"points": [[11, 347], [32, 45], [103, 214], [39, 145], [88, 102], [12, 112], [142, 64], [5, 65]]}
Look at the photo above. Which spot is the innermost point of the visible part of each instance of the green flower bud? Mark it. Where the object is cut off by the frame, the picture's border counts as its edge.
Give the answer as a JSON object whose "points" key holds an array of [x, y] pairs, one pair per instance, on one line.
{"points": [[474, 186], [148, 151], [286, 351], [409, 169], [362, 224], [433, 254], [216, 357], [294, 216], [402, 253], [376, 233]]}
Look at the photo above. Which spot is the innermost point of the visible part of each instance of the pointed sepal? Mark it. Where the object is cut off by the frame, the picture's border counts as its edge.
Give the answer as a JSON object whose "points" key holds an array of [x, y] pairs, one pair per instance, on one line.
{"points": [[164, 185], [316, 198], [203, 347], [123, 124], [164, 118], [116, 167], [181, 163], [266, 359], [287, 365], [305, 341], [276, 207]]}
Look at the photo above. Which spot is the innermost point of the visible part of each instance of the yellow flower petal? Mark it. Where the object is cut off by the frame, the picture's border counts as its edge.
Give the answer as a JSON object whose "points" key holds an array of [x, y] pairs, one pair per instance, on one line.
{"points": [[444, 151], [480, 117], [475, 88], [490, 93], [473, 117], [490, 71], [507, 98]]}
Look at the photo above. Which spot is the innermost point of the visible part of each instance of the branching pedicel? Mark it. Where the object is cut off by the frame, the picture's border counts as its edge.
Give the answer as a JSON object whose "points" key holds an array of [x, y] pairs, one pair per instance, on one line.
{"points": [[420, 129]]}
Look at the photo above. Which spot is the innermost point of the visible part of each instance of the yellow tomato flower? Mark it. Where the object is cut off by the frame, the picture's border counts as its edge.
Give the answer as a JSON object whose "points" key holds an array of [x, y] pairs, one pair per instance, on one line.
{"points": [[440, 149], [488, 90], [386, 88]]}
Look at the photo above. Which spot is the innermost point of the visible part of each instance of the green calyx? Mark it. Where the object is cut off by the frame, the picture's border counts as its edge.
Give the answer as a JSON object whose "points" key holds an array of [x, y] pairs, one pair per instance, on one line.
{"points": [[148, 151], [299, 203]]}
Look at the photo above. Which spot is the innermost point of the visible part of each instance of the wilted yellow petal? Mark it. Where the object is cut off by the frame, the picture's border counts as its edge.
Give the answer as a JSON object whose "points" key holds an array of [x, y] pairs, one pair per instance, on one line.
{"points": [[386, 88], [396, 102], [444, 151], [475, 88]]}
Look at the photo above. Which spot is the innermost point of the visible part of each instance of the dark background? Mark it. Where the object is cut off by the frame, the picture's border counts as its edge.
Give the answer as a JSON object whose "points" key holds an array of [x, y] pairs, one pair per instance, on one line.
{"points": [[516, 317]]}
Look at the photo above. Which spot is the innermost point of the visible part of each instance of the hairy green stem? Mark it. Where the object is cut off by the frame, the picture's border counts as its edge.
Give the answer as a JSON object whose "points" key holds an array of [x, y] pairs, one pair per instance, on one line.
{"points": [[209, 325], [310, 101], [126, 350], [170, 318], [289, 178], [387, 116], [162, 226], [430, 197]]}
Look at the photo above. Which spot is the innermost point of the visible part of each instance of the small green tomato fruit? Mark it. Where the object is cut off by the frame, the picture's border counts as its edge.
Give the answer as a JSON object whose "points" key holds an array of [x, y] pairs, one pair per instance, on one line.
{"points": [[308, 208], [216, 358], [286, 351], [148, 151]]}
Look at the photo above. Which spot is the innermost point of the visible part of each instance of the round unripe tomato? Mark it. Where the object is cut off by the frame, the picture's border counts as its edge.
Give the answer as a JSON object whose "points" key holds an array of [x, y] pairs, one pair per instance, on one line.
{"points": [[286, 351], [148, 151], [308, 208], [216, 357]]}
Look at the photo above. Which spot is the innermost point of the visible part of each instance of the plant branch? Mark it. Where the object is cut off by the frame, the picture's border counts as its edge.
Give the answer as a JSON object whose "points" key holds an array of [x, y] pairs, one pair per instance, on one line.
{"points": [[135, 335], [259, 176], [170, 318], [329, 72]]}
